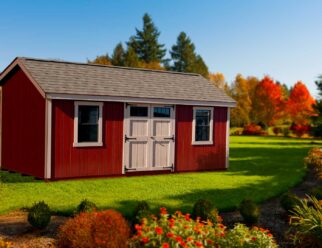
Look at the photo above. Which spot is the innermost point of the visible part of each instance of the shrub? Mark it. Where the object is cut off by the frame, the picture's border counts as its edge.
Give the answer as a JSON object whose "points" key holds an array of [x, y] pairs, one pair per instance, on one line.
{"points": [[314, 161], [180, 230], [277, 130], [286, 132], [205, 210], [86, 206], [306, 221], [142, 210], [252, 129], [300, 130], [289, 201], [316, 192], [39, 215], [249, 211], [106, 229]]}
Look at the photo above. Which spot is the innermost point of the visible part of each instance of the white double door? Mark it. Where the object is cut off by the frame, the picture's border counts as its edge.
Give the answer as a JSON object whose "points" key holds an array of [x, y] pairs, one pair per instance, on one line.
{"points": [[149, 137]]}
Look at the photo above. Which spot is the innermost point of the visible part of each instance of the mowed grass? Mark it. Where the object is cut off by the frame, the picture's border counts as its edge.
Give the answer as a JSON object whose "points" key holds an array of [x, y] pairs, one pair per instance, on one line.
{"points": [[260, 168]]}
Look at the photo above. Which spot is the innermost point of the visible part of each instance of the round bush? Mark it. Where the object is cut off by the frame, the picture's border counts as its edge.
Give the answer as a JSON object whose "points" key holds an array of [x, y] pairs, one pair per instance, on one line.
{"points": [[289, 201], [205, 210], [249, 211], [86, 206], [142, 210], [106, 229], [39, 215]]}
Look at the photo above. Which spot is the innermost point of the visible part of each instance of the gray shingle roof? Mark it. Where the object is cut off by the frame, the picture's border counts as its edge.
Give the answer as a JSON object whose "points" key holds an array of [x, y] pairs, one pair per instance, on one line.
{"points": [[85, 79]]}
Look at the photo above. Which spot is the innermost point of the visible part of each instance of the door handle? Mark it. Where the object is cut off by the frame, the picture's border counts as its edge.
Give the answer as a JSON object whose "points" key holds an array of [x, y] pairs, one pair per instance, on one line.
{"points": [[127, 138], [172, 138]]}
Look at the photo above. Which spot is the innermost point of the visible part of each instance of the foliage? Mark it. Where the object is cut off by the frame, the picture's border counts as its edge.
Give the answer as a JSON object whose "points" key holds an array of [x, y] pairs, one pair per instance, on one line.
{"points": [[96, 229], [300, 104], [300, 130], [145, 42], [86, 206], [306, 220], [131, 59], [254, 167], [277, 130], [316, 192], [253, 129], [314, 160], [102, 60], [179, 230], [39, 215], [5, 244], [249, 211], [317, 118], [289, 201], [185, 58], [269, 105], [142, 210], [117, 58], [205, 210], [218, 79], [286, 131]]}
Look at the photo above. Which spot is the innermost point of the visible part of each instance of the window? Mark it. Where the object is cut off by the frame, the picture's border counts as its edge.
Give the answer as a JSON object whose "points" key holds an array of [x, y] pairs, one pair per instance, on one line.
{"points": [[88, 124], [163, 112], [202, 126], [137, 111]]}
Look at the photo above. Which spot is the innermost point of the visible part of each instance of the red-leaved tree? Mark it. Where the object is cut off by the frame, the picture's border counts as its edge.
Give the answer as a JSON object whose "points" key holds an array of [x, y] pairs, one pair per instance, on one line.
{"points": [[269, 104], [300, 104]]}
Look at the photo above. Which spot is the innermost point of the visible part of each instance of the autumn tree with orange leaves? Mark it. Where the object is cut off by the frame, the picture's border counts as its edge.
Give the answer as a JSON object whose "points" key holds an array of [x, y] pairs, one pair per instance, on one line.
{"points": [[269, 104], [299, 105]]}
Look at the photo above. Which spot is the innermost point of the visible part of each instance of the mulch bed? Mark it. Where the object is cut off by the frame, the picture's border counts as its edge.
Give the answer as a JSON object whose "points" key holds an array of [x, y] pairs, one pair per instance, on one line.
{"points": [[15, 228]]}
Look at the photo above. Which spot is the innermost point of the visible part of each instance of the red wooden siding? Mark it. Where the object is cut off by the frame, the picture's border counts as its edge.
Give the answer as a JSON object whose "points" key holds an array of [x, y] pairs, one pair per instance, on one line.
{"points": [[69, 161], [190, 157], [23, 126]]}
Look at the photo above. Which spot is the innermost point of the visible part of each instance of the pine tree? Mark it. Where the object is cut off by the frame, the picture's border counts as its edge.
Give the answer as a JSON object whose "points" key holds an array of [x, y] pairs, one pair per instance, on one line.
{"points": [[317, 119], [145, 42], [118, 55], [131, 59], [185, 58]]}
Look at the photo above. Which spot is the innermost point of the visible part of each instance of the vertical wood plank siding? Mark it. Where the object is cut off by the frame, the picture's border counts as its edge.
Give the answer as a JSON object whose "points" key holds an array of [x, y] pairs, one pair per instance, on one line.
{"points": [[23, 126], [69, 161], [199, 157]]}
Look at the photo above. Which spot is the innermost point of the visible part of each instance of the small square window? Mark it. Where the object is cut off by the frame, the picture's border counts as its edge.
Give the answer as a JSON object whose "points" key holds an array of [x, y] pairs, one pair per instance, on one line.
{"points": [[163, 112], [138, 111]]}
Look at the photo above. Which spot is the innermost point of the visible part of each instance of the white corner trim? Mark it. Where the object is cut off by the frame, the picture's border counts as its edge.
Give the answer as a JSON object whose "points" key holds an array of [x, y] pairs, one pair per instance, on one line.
{"points": [[0, 126], [100, 124], [48, 137], [139, 100], [227, 137], [211, 125], [123, 135]]}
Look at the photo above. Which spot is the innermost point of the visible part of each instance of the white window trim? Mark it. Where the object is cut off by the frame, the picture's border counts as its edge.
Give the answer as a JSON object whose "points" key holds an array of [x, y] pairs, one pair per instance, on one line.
{"points": [[211, 125], [100, 124]]}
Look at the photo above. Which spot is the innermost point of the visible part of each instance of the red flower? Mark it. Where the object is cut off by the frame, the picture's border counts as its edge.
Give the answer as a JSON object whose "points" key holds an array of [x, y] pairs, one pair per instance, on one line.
{"points": [[269, 235], [254, 238], [178, 238], [198, 244], [165, 245], [139, 233], [145, 240], [138, 227], [190, 239], [187, 216], [158, 230], [163, 211], [170, 235], [171, 225]]}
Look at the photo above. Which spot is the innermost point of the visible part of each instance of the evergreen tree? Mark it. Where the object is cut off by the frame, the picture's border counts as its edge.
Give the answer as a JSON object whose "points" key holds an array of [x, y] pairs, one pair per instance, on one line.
{"points": [[145, 42], [118, 55], [317, 119], [185, 58], [131, 59]]}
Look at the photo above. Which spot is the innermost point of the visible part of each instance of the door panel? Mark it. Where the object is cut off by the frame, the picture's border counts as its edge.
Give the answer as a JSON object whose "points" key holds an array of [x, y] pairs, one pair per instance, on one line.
{"points": [[161, 152], [138, 154], [139, 128], [161, 128]]}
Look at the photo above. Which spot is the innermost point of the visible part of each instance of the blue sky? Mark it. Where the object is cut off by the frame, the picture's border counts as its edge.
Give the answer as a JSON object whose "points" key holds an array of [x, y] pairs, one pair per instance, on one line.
{"points": [[253, 37]]}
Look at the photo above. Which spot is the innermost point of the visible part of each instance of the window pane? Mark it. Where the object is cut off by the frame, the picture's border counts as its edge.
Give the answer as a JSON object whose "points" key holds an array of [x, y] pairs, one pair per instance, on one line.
{"points": [[88, 123], [161, 112], [202, 125], [136, 111]]}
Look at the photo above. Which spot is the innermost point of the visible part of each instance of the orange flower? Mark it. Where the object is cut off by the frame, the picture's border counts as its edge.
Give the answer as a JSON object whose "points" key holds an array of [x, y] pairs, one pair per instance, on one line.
{"points": [[255, 228], [221, 226], [219, 218], [158, 230], [165, 245], [190, 239], [269, 235], [145, 240]]}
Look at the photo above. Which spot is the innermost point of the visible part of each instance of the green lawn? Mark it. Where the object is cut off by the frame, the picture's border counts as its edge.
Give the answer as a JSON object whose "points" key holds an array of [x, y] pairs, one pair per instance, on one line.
{"points": [[260, 168]]}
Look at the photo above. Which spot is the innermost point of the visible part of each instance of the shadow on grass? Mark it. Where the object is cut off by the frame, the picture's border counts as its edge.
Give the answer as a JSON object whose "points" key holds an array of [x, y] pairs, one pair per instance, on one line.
{"points": [[12, 177]]}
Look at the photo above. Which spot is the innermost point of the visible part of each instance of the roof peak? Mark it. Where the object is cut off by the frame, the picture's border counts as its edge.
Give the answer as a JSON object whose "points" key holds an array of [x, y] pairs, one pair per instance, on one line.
{"points": [[108, 66]]}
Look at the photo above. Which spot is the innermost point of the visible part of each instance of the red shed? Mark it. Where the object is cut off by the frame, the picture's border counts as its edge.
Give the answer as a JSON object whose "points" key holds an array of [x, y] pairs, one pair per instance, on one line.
{"points": [[66, 120]]}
